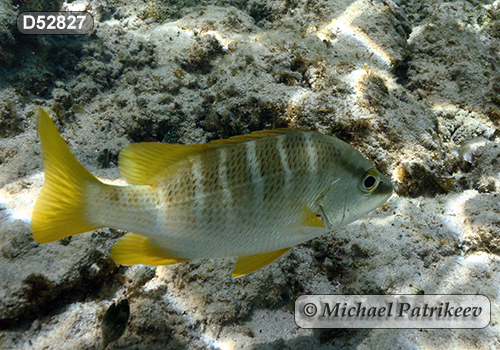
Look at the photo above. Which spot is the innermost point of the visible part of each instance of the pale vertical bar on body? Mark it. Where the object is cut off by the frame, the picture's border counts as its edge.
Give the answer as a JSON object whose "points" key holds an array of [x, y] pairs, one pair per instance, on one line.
{"points": [[199, 192], [284, 163], [312, 157], [227, 195], [254, 163]]}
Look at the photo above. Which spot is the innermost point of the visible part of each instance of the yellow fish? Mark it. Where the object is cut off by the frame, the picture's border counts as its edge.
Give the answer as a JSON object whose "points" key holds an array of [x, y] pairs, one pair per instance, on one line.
{"points": [[251, 196]]}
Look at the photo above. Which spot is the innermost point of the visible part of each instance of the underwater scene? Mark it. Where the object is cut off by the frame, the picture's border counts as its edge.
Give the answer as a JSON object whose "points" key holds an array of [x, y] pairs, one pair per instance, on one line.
{"points": [[183, 174]]}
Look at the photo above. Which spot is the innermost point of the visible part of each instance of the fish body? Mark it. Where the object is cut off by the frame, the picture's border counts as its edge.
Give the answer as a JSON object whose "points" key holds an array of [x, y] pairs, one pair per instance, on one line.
{"points": [[252, 196]]}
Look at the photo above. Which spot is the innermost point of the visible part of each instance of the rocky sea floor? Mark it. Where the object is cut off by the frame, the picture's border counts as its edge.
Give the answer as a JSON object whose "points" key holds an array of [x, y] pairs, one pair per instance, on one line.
{"points": [[413, 85]]}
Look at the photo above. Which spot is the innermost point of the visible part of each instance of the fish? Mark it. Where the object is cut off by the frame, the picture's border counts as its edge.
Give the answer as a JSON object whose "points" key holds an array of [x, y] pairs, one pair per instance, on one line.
{"points": [[252, 197]]}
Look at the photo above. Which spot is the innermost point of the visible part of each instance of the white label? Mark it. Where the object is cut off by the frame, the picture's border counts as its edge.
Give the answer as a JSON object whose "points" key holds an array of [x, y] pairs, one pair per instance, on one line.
{"points": [[392, 311]]}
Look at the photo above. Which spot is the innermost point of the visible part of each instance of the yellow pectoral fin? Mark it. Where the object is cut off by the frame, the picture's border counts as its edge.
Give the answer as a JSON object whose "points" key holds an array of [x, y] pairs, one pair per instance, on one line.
{"points": [[134, 249], [309, 224], [251, 263], [311, 219]]}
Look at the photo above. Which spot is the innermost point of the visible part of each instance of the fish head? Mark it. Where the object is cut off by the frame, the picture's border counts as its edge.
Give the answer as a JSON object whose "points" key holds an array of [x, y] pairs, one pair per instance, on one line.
{"points": [[358, 190]]}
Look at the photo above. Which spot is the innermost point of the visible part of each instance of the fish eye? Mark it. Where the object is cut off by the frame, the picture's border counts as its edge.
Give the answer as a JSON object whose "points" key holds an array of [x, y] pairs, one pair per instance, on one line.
{"points": [[370, 180]]}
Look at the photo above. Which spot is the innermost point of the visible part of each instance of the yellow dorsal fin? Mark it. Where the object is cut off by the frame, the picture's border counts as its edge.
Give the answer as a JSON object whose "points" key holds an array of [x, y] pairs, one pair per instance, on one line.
{"points": [[311, 219], [253, 136], [251, 263], [141, 163], [134, 249]]}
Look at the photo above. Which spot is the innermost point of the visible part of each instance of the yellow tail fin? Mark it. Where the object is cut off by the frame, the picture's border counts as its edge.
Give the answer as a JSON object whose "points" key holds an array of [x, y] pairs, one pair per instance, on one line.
{"points": [[59, 210]]}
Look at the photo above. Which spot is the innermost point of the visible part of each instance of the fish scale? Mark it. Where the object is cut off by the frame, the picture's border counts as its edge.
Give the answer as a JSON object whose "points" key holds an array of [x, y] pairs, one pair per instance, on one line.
{"points": [[253, 196], [190, 214], [253, 173]]}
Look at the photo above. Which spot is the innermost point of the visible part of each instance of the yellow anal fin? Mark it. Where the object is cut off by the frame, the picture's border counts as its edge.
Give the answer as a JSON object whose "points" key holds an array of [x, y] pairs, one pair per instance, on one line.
{"points": [[311, 219], [134, 249], [59, 209], [251, 263]]}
